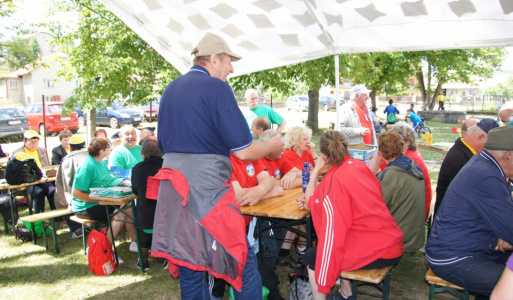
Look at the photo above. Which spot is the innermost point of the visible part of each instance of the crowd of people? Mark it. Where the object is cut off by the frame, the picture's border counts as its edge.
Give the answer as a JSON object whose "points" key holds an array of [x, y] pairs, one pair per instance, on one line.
{"points": [[211, 157]]}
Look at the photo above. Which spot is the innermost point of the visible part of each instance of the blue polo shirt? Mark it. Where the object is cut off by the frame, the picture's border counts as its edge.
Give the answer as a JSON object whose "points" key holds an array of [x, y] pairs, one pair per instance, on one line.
{"points": [[199, 114]]}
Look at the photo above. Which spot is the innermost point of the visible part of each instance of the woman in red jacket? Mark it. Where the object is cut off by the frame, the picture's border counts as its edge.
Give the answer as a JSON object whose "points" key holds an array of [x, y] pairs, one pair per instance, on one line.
{"points": [[353, 224]]}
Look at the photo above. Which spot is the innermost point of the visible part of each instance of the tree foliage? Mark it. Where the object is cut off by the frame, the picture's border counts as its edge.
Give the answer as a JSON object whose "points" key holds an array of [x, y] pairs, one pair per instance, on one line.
{"points": [[381, 72], [111, 61], [434, 68], [21, 52], [313, 74], [504, 89]]}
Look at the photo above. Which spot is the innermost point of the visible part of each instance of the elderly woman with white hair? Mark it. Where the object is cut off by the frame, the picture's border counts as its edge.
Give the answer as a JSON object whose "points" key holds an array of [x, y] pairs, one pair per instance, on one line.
{"points": [[298, 148]]}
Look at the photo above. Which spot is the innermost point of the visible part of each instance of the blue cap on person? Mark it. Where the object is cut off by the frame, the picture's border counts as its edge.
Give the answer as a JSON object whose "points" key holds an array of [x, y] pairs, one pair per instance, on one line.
{"points": [[487, 124], [30, 134]]}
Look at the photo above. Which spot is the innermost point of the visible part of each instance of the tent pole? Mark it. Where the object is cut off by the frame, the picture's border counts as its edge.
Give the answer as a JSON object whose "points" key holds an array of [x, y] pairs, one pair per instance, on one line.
{"points": [[337, 90]]}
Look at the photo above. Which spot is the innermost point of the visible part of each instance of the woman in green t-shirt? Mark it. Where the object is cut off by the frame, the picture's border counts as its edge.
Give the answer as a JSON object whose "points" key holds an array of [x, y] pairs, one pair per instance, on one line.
{"points": [[90, 175]]}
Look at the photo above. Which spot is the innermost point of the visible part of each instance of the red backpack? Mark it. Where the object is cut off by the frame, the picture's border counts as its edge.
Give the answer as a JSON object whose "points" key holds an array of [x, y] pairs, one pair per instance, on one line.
{"points": [[100, 255]]}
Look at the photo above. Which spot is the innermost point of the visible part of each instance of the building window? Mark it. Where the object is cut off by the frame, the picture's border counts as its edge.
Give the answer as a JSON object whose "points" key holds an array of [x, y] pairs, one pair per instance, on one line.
{"points": [[48, 83], [13, 84]]}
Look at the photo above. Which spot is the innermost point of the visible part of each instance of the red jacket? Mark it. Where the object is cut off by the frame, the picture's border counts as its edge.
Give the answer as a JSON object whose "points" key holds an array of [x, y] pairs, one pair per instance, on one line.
{"points": [[352, 222]]}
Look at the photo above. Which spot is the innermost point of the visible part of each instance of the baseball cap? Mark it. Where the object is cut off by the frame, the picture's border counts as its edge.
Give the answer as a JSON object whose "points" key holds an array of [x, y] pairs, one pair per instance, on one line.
{"points": [[77, 141], [500, 139], [213, 44], [110, 180], [487, 124], [30, 134], [360, 89]]}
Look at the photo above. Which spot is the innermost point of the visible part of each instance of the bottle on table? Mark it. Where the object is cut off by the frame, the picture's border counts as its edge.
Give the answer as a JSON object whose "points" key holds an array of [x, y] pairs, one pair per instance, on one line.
{"points": [[306, 176]]}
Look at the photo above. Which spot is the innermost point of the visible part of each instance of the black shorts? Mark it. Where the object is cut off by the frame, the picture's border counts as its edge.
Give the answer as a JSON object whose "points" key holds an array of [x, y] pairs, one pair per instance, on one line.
{"points": [[311, 254], [97, 213]]}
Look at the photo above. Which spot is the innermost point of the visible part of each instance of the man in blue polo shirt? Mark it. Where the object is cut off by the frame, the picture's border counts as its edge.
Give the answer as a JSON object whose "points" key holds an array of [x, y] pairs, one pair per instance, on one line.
{"points": [[251, 98], [200, 228]]}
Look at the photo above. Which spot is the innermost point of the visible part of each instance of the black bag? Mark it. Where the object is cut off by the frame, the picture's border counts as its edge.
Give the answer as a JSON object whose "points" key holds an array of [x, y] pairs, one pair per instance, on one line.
{"points": [[299, 284], [22, 171], [22, 234], [5, 207]]}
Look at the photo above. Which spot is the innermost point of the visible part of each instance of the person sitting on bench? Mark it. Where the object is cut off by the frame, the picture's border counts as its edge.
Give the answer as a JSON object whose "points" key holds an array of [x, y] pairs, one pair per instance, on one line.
{"points": [[354, 227], [93, 173]]}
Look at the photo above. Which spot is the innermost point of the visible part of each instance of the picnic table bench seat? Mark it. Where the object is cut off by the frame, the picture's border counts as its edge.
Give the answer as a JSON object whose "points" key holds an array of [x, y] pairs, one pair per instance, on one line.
{"points": [[43, 217], [379, 278]]}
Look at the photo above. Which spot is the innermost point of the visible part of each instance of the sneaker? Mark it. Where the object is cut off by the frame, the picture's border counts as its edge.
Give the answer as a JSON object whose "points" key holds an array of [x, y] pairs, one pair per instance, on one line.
{"points": [[338, 296], [165, 265], [145, 265], [286, 261], [133, 247], [77, 234], [120, 261]]}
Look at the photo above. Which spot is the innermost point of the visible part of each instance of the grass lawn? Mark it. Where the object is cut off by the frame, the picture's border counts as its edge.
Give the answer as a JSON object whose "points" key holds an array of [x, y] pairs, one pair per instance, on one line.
{"points": [[27, 271]]}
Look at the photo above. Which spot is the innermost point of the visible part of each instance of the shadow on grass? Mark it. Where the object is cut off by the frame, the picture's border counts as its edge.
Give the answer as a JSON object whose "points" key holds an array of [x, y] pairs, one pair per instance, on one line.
{"points": [[154, 287]]}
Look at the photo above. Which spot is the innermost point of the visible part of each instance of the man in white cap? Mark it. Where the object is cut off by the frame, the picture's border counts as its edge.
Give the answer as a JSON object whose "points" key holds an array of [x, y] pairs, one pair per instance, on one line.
{"points": [[355, 117], [198, 225]]}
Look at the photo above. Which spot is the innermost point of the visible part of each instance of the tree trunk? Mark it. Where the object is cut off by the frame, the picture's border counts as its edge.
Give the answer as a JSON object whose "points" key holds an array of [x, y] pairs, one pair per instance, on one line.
{"points": [[372, 95], [422, 87], [313, 109], [91, 123]]}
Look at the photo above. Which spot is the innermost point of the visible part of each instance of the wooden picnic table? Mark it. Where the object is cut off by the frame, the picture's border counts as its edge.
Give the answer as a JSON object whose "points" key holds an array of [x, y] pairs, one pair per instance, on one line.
{"points": [[282, 207], [281, 211]]}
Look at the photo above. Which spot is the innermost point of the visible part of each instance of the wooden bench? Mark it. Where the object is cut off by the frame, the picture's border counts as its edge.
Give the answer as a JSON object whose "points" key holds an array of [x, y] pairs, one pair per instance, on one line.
{"points": [[438, 285], [379, 278], [43, 217], [85, 222]]}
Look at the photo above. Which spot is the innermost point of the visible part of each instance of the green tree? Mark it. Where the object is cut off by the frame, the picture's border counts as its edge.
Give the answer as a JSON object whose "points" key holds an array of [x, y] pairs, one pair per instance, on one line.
{"points": [[381, 72], [504, 89], [111, 61], [21, 52], [313, 74], [434, 68]]}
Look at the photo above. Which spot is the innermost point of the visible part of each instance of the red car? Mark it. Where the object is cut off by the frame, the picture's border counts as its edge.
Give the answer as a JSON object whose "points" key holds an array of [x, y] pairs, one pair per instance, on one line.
{"points": [[55, 120]]}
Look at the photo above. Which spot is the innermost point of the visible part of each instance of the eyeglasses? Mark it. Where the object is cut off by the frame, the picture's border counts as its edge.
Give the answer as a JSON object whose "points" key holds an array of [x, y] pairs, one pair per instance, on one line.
{"points": [[109, 146]]}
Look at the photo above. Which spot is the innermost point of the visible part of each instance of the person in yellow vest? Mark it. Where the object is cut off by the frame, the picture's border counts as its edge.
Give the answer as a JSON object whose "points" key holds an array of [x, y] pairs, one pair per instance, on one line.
{"points": [[40, 155], [441, 99]]}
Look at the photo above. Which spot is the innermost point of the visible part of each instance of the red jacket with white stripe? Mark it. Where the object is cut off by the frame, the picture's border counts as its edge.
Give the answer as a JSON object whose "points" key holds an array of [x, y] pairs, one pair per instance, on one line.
{"points": [[353, 224]]}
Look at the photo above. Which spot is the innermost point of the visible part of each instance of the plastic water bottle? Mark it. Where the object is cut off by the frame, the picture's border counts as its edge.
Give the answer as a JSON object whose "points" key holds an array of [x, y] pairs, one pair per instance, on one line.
{"points": [[306, 176]]}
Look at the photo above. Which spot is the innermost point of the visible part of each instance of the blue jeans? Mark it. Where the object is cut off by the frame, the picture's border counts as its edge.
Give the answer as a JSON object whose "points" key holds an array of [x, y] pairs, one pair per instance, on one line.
{"points": [[193, 284], [477, 273]]}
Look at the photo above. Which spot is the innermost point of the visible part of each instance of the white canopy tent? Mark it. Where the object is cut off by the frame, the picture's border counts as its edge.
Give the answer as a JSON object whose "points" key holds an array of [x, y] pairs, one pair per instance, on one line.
{"points": [[273, 33]]}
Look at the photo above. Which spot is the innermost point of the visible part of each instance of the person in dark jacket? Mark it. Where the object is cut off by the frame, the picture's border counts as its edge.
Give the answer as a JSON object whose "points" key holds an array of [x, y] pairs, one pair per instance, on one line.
{"points": [[63, 149], [474, 135], [472, 235], [151, 164]]}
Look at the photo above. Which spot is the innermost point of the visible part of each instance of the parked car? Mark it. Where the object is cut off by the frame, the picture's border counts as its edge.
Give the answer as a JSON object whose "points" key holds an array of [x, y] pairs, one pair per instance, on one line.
{"points": [[117, 114], [55, 119], [328, 103], [81, 115], [298, 103], [12, 122], [154, 111]]}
